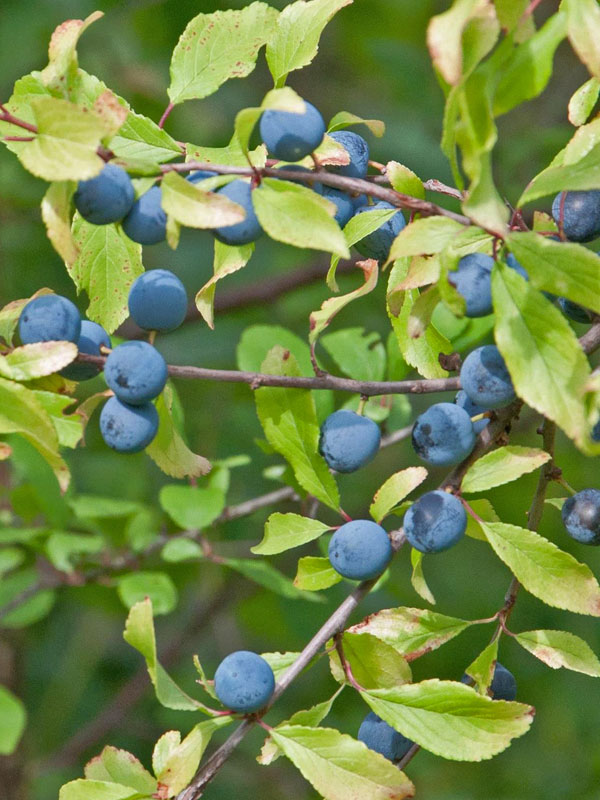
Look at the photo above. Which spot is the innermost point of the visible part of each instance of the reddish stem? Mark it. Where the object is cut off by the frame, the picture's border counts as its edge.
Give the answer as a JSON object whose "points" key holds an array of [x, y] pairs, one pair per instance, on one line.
{"points": [[165, 115]]}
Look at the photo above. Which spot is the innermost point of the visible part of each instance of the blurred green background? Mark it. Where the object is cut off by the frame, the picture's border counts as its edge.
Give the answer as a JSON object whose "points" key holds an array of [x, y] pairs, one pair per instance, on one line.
{"points": [[70, 667]]}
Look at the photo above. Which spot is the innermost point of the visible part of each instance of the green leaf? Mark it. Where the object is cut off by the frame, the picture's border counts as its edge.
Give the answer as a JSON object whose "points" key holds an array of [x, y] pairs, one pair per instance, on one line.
{"points": [[296, 39], [424, 236], [13, 718], [231, 155], [319, 320], [62, 53], [195, 208], [168, 450], [181, 549], [298, 216], [216, 47], [374, 664], [529, 69], [344, 119], [564, 268], [583, 27], [450, 719], [551, 575], [139, 138], [10, 558], [228, 259], [358, 354], [284, 531], [33, 609], [315, 573], [280, 662], [510, 12], [157, 586], [417, 578], [447, 36], [482, 669], [56, 213], [422, 353], [179, 766], [61, 547], [36, 360], [96, 790], [139, 633], [69, 427], [404, 180], [394, 490], [576, 168], [484, 510], [309, 718], [411, 631], [21, 412], [119, 766], [582, 102], [557, 502], [106, 266], [502, 466], [289, 421], [94, 506], [561, 649], [262, 573], [191, 507], [64, 147], [340, 767], [548, 368]]}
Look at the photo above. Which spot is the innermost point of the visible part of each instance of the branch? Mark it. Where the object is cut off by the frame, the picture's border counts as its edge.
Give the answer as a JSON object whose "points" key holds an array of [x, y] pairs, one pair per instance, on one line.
{"points": [[258, 379], [352, 185]]}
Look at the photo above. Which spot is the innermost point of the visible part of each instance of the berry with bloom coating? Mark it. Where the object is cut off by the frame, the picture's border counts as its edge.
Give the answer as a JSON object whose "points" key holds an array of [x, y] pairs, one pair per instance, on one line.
{"points": [[443, 435], [343, 203], [91, 339], [248, 230], [485, 379], [348, 440], [157, 301], [463, 400], [574, 311], [358, 150], [382, 738], [290, 136], [504, 685], [581, 516], [435, 522], [473, 281], [136, 372], [126, 428], [49, 318], [244, 682], [377, 244], [581, 214], [106, 198], [146, 222], [360, 550]]}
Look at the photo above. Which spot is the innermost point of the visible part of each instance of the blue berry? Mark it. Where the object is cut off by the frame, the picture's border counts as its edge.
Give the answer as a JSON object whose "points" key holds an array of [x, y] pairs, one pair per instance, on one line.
{"points": [[244, 682], [248, 230], [574, 311], [377, 244], [485, 379], [358, 150], [105, 198], [290, 136], [342, 201], [443, 435], [504, 685], [136, 372], [473, 281], [581, 516], [581, 214], [316, 186], [128, 429], [435, 522], [382, 738], [472, 410], [200, 175], [596, 432], [146, 223], [360, 550], [158, 301], [512, 262], [348, 440], [91, 338], [49, 318]]}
